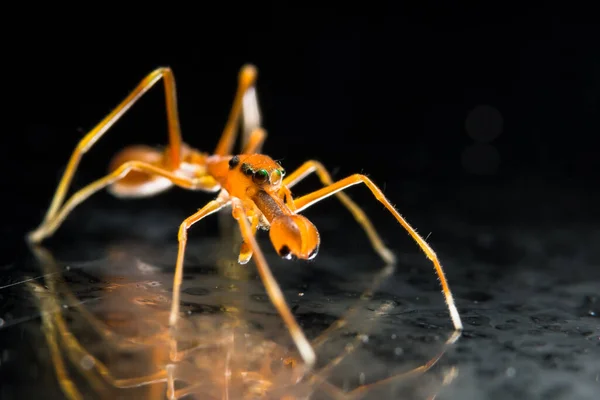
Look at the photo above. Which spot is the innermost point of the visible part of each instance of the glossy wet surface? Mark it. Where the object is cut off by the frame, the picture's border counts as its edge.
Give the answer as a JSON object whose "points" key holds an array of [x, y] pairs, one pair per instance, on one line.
{"points": [[528, 293]]}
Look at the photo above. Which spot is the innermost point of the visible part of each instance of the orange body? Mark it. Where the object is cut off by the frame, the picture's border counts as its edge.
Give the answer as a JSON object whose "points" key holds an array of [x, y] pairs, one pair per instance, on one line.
{"points": [[255, 179]]}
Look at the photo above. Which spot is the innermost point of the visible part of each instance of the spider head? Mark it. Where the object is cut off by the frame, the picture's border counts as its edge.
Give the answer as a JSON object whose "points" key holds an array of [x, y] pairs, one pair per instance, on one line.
{"points": [[253, 172]]}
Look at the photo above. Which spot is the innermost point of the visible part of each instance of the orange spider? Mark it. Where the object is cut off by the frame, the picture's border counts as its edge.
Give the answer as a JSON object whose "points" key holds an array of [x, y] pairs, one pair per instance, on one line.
{"points": [[254, 185]]}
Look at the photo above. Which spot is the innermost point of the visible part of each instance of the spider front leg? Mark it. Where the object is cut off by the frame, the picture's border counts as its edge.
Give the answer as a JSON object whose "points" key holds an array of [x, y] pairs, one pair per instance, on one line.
{"points": [[212, 207], [254, 143], [252, 137], [245, 249], [318, 195], [273, 290], [361, 391], [359, 215]]}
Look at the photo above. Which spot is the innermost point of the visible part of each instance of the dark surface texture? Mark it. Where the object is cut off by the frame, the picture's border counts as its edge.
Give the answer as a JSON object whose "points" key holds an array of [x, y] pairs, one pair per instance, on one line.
{"points": [[527, 293]]}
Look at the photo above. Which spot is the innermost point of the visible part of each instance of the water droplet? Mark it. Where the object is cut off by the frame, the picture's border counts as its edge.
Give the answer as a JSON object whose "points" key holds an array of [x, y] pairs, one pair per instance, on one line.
{"points": [[261, 298], [87, 362], [591, 306], [510, 372]]}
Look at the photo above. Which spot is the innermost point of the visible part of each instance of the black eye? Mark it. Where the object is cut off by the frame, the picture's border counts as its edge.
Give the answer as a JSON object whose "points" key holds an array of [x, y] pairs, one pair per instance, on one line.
{"points": [[246, 169], [282, 171], [235, 160], [261, 176]]}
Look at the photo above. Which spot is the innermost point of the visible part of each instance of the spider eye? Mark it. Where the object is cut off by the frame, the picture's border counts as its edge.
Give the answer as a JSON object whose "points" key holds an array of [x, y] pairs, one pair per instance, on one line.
{"points": [[282, 171], [261, 176], [276, 177], [246, 169]]}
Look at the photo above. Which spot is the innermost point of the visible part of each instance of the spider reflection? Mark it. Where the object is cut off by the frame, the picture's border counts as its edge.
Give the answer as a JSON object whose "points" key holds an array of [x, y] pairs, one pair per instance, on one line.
{"points": [[120, 344]]}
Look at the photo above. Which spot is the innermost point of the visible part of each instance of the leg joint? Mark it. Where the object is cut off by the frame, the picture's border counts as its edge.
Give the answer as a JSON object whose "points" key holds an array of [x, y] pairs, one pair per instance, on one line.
{"points": [[164, 71], [361, 177], [183, 228], [315, 164]]}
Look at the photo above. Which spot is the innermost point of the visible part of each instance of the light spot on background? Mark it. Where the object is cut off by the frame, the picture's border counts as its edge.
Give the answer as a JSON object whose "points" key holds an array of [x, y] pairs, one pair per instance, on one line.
{"points": [[484, 123]]}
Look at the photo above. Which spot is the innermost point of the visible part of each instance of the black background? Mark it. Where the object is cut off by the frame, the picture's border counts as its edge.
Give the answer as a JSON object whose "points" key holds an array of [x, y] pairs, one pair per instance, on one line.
{"points": [[384, 90]]}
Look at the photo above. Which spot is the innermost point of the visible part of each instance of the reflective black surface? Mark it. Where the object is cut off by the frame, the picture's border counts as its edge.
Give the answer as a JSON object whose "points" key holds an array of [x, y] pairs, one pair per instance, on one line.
{"points": [[526, 284]]}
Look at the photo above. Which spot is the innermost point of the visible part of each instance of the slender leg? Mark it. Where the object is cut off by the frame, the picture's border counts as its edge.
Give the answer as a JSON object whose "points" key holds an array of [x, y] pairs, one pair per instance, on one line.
{"points": [[56, 330], [306, 351], [255, 141], [99, 130], [385, 308], [245, 249], [246, 80], [246, 103], [67, 385], [383, 274], [55, 323], [171, 381], [319, 377], [362, 390], [318, 195], [360, 216], [50, 268], [212, 207], [48, 227], [251, 118], [287, 198]]}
